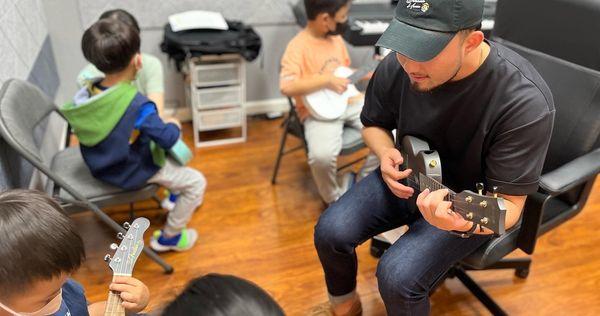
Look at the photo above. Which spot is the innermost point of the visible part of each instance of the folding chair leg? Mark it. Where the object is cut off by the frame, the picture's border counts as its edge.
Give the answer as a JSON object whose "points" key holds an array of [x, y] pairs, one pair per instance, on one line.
{"points": [[280, 153], [156, 258], [110, 222]]}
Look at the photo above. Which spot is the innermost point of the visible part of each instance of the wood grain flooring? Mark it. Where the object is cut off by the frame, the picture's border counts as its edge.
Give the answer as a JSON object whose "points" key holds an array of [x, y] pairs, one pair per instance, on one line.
{"points": [[263, 233]]}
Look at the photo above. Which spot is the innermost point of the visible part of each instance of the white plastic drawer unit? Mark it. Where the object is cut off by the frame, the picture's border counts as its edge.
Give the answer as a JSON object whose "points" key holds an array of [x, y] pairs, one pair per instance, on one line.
{"points": [[220, 119], [216, 74], [208, 98]]}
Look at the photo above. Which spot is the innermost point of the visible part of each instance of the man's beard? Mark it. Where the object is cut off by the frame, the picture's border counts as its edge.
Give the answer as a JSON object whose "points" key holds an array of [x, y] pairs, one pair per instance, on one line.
{"points": [[414, 86]]}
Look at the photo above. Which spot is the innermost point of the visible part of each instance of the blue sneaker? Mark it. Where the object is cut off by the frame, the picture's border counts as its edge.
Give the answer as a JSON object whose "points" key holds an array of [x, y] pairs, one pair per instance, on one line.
{"points": [[182, 242]]}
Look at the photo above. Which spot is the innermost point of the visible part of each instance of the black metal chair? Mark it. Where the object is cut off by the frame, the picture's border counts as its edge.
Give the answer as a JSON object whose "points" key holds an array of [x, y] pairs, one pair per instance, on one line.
{"points": [[22, 108]]}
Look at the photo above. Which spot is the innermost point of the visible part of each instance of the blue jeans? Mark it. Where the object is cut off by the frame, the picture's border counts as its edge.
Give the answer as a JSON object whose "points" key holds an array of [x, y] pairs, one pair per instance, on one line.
{"points": [[409, 268]]}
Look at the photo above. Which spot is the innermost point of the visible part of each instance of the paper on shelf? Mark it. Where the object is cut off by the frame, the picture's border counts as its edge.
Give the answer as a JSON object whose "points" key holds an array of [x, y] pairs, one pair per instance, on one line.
{"points": [[191, 20]]}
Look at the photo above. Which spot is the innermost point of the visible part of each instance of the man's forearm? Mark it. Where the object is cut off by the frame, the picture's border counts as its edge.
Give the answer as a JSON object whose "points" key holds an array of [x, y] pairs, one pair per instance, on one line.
{"points": [[378, 139], [514, 208]]}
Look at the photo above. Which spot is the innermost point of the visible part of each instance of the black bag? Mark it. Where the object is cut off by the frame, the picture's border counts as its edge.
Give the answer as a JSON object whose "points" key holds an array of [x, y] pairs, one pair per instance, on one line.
{"points": [[239, 39]]}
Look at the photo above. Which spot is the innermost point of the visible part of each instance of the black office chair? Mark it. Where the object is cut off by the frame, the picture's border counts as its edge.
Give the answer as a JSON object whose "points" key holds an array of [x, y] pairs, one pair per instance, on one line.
{"points": [[351, 140], [533, 24], [570, 168], [569, 63], [572, 164]]}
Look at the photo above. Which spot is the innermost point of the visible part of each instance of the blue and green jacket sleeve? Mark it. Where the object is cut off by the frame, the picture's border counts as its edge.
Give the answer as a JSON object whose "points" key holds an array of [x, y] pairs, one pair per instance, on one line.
{"points": [[121, 137]]}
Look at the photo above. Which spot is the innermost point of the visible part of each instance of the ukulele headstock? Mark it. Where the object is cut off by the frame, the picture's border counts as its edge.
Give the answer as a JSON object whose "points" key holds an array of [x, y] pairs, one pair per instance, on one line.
{"points": [[485, 210], [127, 252]]}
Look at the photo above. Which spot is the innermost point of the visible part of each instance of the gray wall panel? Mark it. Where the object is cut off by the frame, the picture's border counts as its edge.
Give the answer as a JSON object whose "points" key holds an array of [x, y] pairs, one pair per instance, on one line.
{"points": [[26, 54], [154, 13]]}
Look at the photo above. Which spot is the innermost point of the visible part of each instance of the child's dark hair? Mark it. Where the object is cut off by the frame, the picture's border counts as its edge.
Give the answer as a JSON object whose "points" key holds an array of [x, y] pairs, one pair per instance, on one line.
{"points": [[39, 241], [121, 15], [223, 295], [316, 7], [110, 44]]}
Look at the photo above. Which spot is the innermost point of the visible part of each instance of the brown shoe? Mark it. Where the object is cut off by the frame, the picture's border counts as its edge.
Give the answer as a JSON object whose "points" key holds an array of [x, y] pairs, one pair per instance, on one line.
{"points": [[325, 309]]}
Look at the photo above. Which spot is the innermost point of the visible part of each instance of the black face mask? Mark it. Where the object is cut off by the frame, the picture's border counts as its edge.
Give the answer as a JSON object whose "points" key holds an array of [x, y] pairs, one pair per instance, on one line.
{"points": [[340, 28]]}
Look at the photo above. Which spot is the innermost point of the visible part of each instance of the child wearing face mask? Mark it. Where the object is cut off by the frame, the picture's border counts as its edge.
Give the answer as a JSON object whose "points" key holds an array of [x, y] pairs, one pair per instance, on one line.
{"points": [[40, 251], [308, 65]]}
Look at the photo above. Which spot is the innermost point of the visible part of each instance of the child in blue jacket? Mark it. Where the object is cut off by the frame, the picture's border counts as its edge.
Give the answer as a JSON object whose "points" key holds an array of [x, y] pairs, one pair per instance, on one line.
{"points": [[123, 140]]}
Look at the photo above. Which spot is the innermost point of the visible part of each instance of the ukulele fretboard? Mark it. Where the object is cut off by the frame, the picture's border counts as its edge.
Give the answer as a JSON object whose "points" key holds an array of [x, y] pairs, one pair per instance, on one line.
{"points": [[424, 182], [114, 305]]}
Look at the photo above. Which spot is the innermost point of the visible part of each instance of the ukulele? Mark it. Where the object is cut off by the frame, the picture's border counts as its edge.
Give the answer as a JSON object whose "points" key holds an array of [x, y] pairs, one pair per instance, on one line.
{"points": [[328, 105], [123, 260], [479, 208]]}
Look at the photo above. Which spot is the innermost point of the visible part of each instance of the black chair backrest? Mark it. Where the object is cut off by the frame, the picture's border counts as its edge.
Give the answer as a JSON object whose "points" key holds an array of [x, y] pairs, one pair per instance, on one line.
{"points": [[576, 92], [562, 28]]}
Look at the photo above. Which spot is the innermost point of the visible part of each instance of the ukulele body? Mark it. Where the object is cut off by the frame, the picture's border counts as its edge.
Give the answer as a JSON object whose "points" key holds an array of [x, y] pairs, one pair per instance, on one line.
{"points": [[420, 158]]}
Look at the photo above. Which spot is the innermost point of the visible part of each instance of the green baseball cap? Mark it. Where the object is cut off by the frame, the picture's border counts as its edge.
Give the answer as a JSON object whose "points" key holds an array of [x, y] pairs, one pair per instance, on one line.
{"points": [[422, 28]]}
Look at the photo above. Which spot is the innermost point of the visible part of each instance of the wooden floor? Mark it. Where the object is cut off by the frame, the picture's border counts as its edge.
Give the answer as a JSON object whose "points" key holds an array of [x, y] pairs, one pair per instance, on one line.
{"points": [[264, 233]]}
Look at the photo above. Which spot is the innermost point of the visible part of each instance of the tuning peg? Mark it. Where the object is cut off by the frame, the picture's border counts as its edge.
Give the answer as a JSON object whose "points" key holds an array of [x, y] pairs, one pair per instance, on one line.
{"points": [[126, 225], [479, 187], [107, 258], [120, 235], [495, 191], [114, 246]]}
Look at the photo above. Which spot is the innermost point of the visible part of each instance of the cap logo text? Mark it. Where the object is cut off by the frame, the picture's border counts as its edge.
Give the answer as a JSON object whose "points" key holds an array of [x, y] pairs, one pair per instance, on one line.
{"points": [[420, 5]]}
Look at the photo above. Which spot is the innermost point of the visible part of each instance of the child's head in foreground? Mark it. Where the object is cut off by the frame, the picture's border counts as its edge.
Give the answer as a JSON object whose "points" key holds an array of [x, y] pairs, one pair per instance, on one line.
{"points": [[39, 250]]}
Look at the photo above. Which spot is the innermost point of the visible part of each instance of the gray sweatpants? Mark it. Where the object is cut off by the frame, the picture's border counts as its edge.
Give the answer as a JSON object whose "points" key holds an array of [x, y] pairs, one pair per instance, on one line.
{"points": [[324, 140], [189, 184]]}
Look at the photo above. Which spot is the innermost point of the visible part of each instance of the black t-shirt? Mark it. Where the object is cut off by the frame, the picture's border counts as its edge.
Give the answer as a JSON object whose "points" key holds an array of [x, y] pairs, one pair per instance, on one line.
{"points": [[493, 126]]}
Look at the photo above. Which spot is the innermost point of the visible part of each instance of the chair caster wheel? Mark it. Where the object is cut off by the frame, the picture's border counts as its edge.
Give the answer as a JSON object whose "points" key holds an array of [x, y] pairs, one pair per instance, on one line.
{"points": [[522, 273]]}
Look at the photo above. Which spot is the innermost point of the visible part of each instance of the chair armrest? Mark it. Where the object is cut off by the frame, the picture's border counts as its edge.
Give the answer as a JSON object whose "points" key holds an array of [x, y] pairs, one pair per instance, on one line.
{"points": [[572, 174], [531, 220]]}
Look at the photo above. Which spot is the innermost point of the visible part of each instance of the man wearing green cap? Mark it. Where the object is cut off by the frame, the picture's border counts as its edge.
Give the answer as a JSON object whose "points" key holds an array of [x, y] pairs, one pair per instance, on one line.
{"points": [[487, 112]]}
